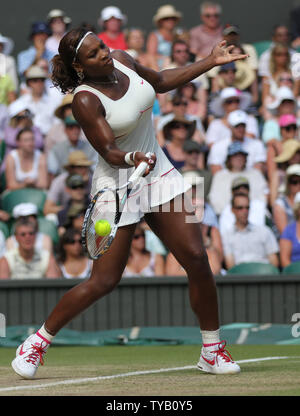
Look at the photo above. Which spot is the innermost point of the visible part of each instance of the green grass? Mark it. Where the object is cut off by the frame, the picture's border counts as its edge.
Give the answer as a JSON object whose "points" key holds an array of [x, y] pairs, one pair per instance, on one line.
{"points": [[274, 377]]}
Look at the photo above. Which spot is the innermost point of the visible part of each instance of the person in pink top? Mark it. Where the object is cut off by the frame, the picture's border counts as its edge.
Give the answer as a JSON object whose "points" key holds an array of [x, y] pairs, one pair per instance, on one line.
{"points": [[205, 36], [112, 20]]}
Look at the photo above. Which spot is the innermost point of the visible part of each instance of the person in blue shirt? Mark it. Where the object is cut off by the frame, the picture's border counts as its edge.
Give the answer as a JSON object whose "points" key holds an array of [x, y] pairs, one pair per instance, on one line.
{"points": [[38, 35], [290, 237]]}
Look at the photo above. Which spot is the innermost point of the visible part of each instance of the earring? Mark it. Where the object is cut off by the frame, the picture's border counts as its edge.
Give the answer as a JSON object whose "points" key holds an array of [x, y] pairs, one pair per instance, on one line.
{"points": [[80, 76]]}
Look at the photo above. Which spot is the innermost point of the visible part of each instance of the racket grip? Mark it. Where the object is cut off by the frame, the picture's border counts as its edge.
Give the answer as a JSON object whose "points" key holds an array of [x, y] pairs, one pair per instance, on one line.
{"points": [[140, 170]]}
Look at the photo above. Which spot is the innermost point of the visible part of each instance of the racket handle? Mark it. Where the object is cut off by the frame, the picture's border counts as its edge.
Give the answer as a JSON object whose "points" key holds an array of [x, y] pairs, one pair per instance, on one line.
{"points": [[140, 170]]}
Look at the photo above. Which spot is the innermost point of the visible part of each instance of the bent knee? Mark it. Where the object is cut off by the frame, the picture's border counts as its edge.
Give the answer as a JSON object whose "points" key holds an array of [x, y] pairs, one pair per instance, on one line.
{"points": [[103, 286], [196, 258]]}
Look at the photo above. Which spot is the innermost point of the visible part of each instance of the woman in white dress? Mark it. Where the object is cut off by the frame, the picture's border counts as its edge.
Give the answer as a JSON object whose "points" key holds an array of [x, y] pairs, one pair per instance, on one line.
{"points": [[113, 98]]}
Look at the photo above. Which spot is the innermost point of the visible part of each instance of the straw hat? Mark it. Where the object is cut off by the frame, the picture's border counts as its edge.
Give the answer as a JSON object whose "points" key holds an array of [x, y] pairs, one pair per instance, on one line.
{"points": [[35, 72], [77, 158], [58, 13], [166, 11], [244, 76], [67, 100], [289, 148]]}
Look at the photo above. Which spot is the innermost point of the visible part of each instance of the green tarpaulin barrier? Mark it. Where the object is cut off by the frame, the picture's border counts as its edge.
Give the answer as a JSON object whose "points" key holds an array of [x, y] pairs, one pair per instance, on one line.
{"points": [[235, 333]]}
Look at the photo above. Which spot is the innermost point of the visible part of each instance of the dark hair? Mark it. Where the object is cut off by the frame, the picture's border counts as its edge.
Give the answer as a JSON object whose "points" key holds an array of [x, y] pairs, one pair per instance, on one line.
{"points": [[64, 74], [237, 195], [19, 134], [177, 42], [66, 238]]}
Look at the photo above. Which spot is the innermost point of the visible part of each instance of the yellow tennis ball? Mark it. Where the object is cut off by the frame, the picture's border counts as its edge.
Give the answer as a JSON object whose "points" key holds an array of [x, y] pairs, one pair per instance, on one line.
{"points": [[102, 227]]}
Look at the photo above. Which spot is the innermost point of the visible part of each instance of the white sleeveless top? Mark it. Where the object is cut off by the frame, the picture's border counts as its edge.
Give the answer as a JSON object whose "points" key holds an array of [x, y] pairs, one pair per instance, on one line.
{"points": [[21, 269], [85, 273], [147, 271], [130, 118], [31, 174]]}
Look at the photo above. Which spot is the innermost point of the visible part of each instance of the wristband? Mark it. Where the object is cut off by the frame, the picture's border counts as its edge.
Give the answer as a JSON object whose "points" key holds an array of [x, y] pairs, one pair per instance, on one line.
{"points": [[128, 159]]}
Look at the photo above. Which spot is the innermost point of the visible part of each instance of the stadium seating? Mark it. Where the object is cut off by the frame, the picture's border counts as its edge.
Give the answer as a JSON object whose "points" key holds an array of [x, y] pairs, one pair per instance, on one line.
{"points": [[12, 198], [4, 228], [254, 268], [261, 46], [293, 268], [49, 228]]}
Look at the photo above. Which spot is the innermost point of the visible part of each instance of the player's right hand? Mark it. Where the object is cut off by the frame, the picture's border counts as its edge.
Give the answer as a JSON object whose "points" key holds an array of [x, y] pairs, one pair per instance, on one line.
{"points": [[141, 157]]}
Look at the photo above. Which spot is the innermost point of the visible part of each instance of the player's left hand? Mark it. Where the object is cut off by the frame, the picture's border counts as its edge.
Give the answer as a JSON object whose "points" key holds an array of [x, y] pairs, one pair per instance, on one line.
{"points": [[221, 54]]}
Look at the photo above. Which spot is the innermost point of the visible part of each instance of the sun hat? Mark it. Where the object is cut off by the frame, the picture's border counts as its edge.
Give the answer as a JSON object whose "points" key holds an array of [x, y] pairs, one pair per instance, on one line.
{"points": [[216, 105], [293, 170], [24, 209], [237, 117], [236, 148], [239, 181], [8, 44], [166, 11], [109, 12], [39, 27], [66, 101], [35, 71], [16, 107], [58, 13], [289, 148], [286, 120], [297, 198], [282, 94], [77, 158], [244, 76]]}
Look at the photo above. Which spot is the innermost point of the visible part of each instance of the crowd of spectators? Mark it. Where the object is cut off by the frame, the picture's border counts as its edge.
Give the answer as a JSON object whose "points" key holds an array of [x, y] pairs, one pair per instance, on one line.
{"points": [[233, 131]]}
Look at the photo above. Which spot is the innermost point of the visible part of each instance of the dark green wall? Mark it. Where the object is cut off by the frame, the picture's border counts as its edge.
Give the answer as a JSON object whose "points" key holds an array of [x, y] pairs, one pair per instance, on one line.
{"points": [[255, 17]]}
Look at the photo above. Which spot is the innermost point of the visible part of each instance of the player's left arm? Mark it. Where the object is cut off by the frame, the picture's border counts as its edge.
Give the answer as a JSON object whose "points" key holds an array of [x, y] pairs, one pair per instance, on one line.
{"points": [[170, 79]]}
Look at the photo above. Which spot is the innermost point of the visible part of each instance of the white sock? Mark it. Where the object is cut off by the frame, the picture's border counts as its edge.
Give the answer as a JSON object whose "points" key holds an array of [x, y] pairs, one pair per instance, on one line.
{"points": [[210, 337], [42, 332]]}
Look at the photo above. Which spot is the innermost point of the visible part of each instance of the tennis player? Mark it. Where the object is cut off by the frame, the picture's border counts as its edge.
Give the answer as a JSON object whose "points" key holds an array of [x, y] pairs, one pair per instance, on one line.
{"points": [[113, 99]]}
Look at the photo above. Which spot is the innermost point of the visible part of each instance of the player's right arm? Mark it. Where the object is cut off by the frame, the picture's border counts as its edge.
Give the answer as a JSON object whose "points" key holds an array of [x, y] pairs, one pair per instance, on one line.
{"points": [[90, 114]]}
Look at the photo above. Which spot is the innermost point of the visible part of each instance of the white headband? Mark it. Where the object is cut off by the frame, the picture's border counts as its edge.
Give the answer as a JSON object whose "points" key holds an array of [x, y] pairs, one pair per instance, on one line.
{"points": [[80, 43]]}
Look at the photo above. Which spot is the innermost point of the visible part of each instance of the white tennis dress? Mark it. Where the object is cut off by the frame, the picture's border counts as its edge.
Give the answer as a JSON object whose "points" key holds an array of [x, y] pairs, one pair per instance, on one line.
{"points": [[130, 118]]}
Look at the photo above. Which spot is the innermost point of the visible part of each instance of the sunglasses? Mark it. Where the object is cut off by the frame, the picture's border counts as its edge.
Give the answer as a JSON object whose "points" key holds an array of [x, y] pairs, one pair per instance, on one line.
{"points": [[181, 103], [232, 101], [290, 127], [241, 207], [77, 187], [37, 80], [136, 236], [215, 15], [286, 79], [181, 51], [179, 126], [73, 241], [282, 54], [294, 181]]}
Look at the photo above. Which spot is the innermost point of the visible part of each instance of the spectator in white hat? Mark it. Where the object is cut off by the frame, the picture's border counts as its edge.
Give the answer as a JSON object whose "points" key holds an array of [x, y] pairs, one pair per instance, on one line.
{"points": [[58, 23], [8, 63], [237, 121], [25, 261], [112, 21], [229, 99], [285, 103], [30, 211]]}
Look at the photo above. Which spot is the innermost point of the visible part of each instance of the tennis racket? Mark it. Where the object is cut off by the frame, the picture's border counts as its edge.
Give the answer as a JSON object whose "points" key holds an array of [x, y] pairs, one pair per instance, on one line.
{"points": [[107, 205]]}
